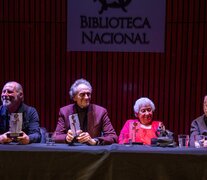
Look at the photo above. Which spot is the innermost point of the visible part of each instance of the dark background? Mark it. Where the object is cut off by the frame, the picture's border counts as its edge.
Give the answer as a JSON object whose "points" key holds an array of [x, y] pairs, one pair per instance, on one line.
{"points": [[33, 52]]}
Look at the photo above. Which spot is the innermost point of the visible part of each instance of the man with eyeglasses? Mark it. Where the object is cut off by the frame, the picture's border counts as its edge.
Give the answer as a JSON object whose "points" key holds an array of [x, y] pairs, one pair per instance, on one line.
{"points": [[199, 125], [95, 126]]}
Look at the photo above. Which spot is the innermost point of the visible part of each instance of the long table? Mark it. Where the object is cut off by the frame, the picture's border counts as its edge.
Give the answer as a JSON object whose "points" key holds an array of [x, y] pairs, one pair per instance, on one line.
{"points": [[63, 162]]}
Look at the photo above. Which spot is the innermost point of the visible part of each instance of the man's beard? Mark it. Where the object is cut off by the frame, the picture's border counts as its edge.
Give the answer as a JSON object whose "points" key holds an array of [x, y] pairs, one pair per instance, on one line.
{"points": [[9, 101], [6, 102]]}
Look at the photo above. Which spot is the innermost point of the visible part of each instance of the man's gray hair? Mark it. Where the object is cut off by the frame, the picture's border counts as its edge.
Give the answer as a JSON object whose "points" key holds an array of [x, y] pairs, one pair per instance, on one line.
{"points": [[144, 101], [73, 89]]}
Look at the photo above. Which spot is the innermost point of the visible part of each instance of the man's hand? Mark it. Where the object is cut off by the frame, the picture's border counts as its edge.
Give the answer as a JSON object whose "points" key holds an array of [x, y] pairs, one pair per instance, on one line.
{"points": [[69, 136], [4, 138], [23, 139], [85, 137]]}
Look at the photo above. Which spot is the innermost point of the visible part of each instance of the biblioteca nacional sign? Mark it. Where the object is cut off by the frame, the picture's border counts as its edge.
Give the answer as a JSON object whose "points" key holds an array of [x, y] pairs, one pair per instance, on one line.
{"points": [[116, 25]]}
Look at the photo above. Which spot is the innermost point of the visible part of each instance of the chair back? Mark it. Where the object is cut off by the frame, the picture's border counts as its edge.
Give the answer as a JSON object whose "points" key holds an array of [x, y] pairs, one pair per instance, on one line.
{"points": [[43, 134]]}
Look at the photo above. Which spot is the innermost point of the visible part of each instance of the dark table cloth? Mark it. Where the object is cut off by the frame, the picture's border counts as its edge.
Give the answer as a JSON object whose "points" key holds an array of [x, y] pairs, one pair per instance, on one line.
{"points": [[62, 162]]}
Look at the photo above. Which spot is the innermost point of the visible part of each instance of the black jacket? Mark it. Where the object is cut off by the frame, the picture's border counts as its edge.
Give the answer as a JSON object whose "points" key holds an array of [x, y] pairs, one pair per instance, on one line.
{"points": [[30, 124]]}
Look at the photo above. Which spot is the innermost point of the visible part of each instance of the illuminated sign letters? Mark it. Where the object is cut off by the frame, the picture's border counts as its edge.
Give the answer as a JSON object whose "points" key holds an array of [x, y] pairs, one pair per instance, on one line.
{"points": [[116, 25]]}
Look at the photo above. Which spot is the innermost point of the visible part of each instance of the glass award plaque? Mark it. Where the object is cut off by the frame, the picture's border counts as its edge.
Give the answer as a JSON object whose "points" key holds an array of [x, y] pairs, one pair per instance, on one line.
{"points": [[133, 130], [15, 125], [74, 123]]}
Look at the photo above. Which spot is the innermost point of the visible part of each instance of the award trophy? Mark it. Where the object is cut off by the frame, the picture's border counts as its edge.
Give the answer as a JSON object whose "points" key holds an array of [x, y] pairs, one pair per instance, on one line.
{"points": [[15, 125], [74, 123], [133, 129]]}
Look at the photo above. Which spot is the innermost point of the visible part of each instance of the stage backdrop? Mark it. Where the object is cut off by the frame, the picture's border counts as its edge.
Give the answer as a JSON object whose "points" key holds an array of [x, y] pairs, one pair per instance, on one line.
{"points": [[33, 38]]}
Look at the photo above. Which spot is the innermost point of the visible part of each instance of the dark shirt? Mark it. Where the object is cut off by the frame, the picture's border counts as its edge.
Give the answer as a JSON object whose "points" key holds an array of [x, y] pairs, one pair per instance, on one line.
{"points": [[30, 124], [205, 120], [82, 115]]}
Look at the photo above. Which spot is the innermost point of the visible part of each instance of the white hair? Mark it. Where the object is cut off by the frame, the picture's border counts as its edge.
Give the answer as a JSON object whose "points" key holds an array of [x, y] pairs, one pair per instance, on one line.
{"points": [[144, 101], [73, 89]]}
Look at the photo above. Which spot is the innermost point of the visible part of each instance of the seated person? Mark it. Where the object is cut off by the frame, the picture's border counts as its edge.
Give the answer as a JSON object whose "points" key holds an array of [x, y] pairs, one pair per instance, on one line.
{"points": [[142, 129], [95, 124], [199, 125], [12, 98]]}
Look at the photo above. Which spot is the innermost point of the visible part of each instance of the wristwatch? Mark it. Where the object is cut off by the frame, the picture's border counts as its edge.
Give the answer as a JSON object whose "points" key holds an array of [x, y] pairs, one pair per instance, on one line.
{"points": [[97, 141]]}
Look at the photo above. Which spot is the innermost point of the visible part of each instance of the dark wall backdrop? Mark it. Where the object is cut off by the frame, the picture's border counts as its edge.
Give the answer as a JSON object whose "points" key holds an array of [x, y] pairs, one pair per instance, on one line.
{"points": [[33, 52]]}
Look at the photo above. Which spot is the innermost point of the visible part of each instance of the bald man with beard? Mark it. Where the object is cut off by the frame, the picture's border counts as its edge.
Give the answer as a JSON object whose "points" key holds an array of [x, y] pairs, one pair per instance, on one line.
{"points": [[12, 98]]}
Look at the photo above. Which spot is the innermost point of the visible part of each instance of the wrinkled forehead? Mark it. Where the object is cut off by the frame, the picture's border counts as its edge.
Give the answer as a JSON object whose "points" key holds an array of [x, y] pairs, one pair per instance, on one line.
{"points": [[145, 107], [9, 86], [83, 88]]}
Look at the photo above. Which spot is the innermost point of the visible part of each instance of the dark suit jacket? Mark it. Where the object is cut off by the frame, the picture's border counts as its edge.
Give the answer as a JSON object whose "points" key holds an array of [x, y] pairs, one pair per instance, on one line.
{"points": [[99, 125], [198, 127], [30, 124]]}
